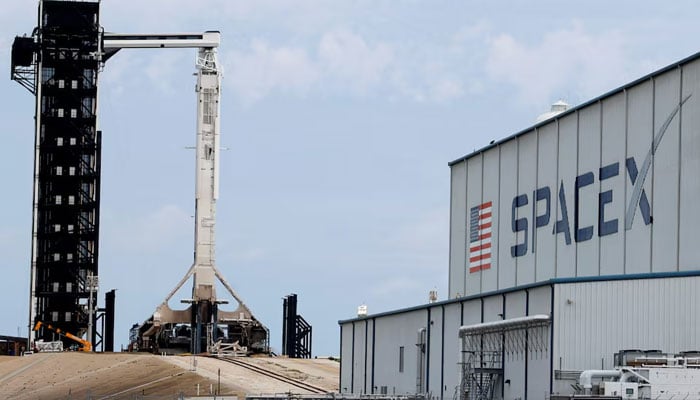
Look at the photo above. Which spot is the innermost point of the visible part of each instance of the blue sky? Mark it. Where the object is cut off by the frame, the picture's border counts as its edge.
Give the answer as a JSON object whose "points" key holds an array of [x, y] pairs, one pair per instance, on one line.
{"points": [[339, 118]]}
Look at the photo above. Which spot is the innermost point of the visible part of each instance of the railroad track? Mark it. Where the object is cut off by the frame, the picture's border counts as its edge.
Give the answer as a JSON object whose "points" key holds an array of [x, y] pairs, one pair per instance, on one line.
{"points": [[262, 371]]}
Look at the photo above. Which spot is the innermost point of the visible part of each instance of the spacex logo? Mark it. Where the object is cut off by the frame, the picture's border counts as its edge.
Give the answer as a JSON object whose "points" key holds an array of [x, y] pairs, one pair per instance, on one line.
{"points": [[531, 213], [584, 230], [638, 195]]}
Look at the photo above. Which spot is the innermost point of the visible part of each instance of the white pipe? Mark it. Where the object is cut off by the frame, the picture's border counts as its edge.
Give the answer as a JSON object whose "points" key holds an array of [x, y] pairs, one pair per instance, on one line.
{"points": [[587, 376]]}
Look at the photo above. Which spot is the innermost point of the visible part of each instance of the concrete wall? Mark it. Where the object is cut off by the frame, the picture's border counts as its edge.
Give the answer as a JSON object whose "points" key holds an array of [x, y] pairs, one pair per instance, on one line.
{"points": [[607, 188]]}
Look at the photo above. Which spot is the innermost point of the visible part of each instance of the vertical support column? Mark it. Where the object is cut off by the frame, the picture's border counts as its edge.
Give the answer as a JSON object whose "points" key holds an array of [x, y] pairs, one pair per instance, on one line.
{"points": [[108, 331], [285, 302], [291, 326]]}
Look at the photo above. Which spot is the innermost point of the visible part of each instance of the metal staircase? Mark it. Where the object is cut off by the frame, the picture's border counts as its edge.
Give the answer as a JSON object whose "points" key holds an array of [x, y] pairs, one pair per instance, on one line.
{"points": [[481, 374]]}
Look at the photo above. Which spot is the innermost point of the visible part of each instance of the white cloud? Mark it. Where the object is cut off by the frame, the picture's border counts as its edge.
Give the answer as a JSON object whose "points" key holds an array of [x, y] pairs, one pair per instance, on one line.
{"points": [[347, 63], [468, 35], [149, 16], [233, 18], [304, 49], [432, 83], [406, 87], [116, 72], [540, 72], [446, 89], [447, 69], [350, 61], [308, 50], [261, 69], [343, 61], [163, 69]]}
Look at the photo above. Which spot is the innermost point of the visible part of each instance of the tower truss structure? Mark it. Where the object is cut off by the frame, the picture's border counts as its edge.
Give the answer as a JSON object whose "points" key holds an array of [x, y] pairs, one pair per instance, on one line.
{"points": [[60, 65]]}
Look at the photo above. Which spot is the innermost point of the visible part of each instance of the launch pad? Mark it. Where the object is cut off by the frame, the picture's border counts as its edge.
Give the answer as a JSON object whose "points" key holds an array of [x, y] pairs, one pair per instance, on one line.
{"points": [[60, 64]]}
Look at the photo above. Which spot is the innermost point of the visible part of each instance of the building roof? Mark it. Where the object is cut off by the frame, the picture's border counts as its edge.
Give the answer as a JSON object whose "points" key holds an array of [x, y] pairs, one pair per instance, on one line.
{"points": [[549, 282], [12, 339]]}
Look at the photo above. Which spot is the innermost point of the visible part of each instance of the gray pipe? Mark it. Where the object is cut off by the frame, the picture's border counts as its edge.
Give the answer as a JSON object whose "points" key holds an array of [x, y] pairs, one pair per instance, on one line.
{"points": [[420, 351]]}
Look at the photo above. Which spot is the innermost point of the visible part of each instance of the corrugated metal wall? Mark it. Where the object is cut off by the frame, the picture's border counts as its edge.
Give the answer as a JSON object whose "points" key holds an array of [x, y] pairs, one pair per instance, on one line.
{"points": [[591, 322], [594, 320], [515, 366], [458, 217], [378, 340], [347, 357], [539, 362], [579, 212], [435, 356], [451, 358]]}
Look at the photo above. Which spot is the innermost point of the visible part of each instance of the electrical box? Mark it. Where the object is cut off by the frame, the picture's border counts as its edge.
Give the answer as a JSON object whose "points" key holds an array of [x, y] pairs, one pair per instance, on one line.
{"points": [[624, 390]]}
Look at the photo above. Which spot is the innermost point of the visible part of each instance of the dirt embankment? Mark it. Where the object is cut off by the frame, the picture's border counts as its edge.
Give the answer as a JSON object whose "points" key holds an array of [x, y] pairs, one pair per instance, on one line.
{"points": [[126, 375], [109, 376]]}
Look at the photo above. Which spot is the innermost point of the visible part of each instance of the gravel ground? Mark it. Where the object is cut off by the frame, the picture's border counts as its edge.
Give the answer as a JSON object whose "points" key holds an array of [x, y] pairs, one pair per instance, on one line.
{"points": [[319, 372]]}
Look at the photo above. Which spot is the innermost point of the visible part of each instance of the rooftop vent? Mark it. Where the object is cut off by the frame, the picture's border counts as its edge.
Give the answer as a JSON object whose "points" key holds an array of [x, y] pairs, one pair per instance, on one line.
{"points": [[432, 296], [557, 108], [362, 311]]}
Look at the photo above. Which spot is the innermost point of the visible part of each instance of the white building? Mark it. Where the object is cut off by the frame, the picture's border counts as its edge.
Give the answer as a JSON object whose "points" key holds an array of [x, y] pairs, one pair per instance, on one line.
{"points": [[587, 218]]}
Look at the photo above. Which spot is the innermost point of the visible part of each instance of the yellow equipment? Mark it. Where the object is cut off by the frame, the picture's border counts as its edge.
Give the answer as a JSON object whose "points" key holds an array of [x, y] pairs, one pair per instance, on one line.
{"points": [[85, 345]]}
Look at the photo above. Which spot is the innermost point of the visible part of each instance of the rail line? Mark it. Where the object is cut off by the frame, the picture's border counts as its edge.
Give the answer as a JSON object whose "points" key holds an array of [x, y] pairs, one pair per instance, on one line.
{"points": [[294, 382]]}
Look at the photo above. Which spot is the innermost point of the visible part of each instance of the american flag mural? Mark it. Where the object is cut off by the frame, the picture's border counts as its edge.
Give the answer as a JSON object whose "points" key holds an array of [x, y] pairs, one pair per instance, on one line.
{"points": [[480, 237]]}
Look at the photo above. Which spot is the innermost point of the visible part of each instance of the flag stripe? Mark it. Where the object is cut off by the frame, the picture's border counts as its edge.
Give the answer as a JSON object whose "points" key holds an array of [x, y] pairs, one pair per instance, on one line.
{"points": [[480, 257], [480, 247], [479, 268], [480, 225]]}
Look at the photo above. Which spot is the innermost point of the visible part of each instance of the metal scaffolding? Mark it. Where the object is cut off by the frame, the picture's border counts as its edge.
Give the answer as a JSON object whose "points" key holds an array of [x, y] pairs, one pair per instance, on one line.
{"points": [[486, 346], [59, 65]]}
